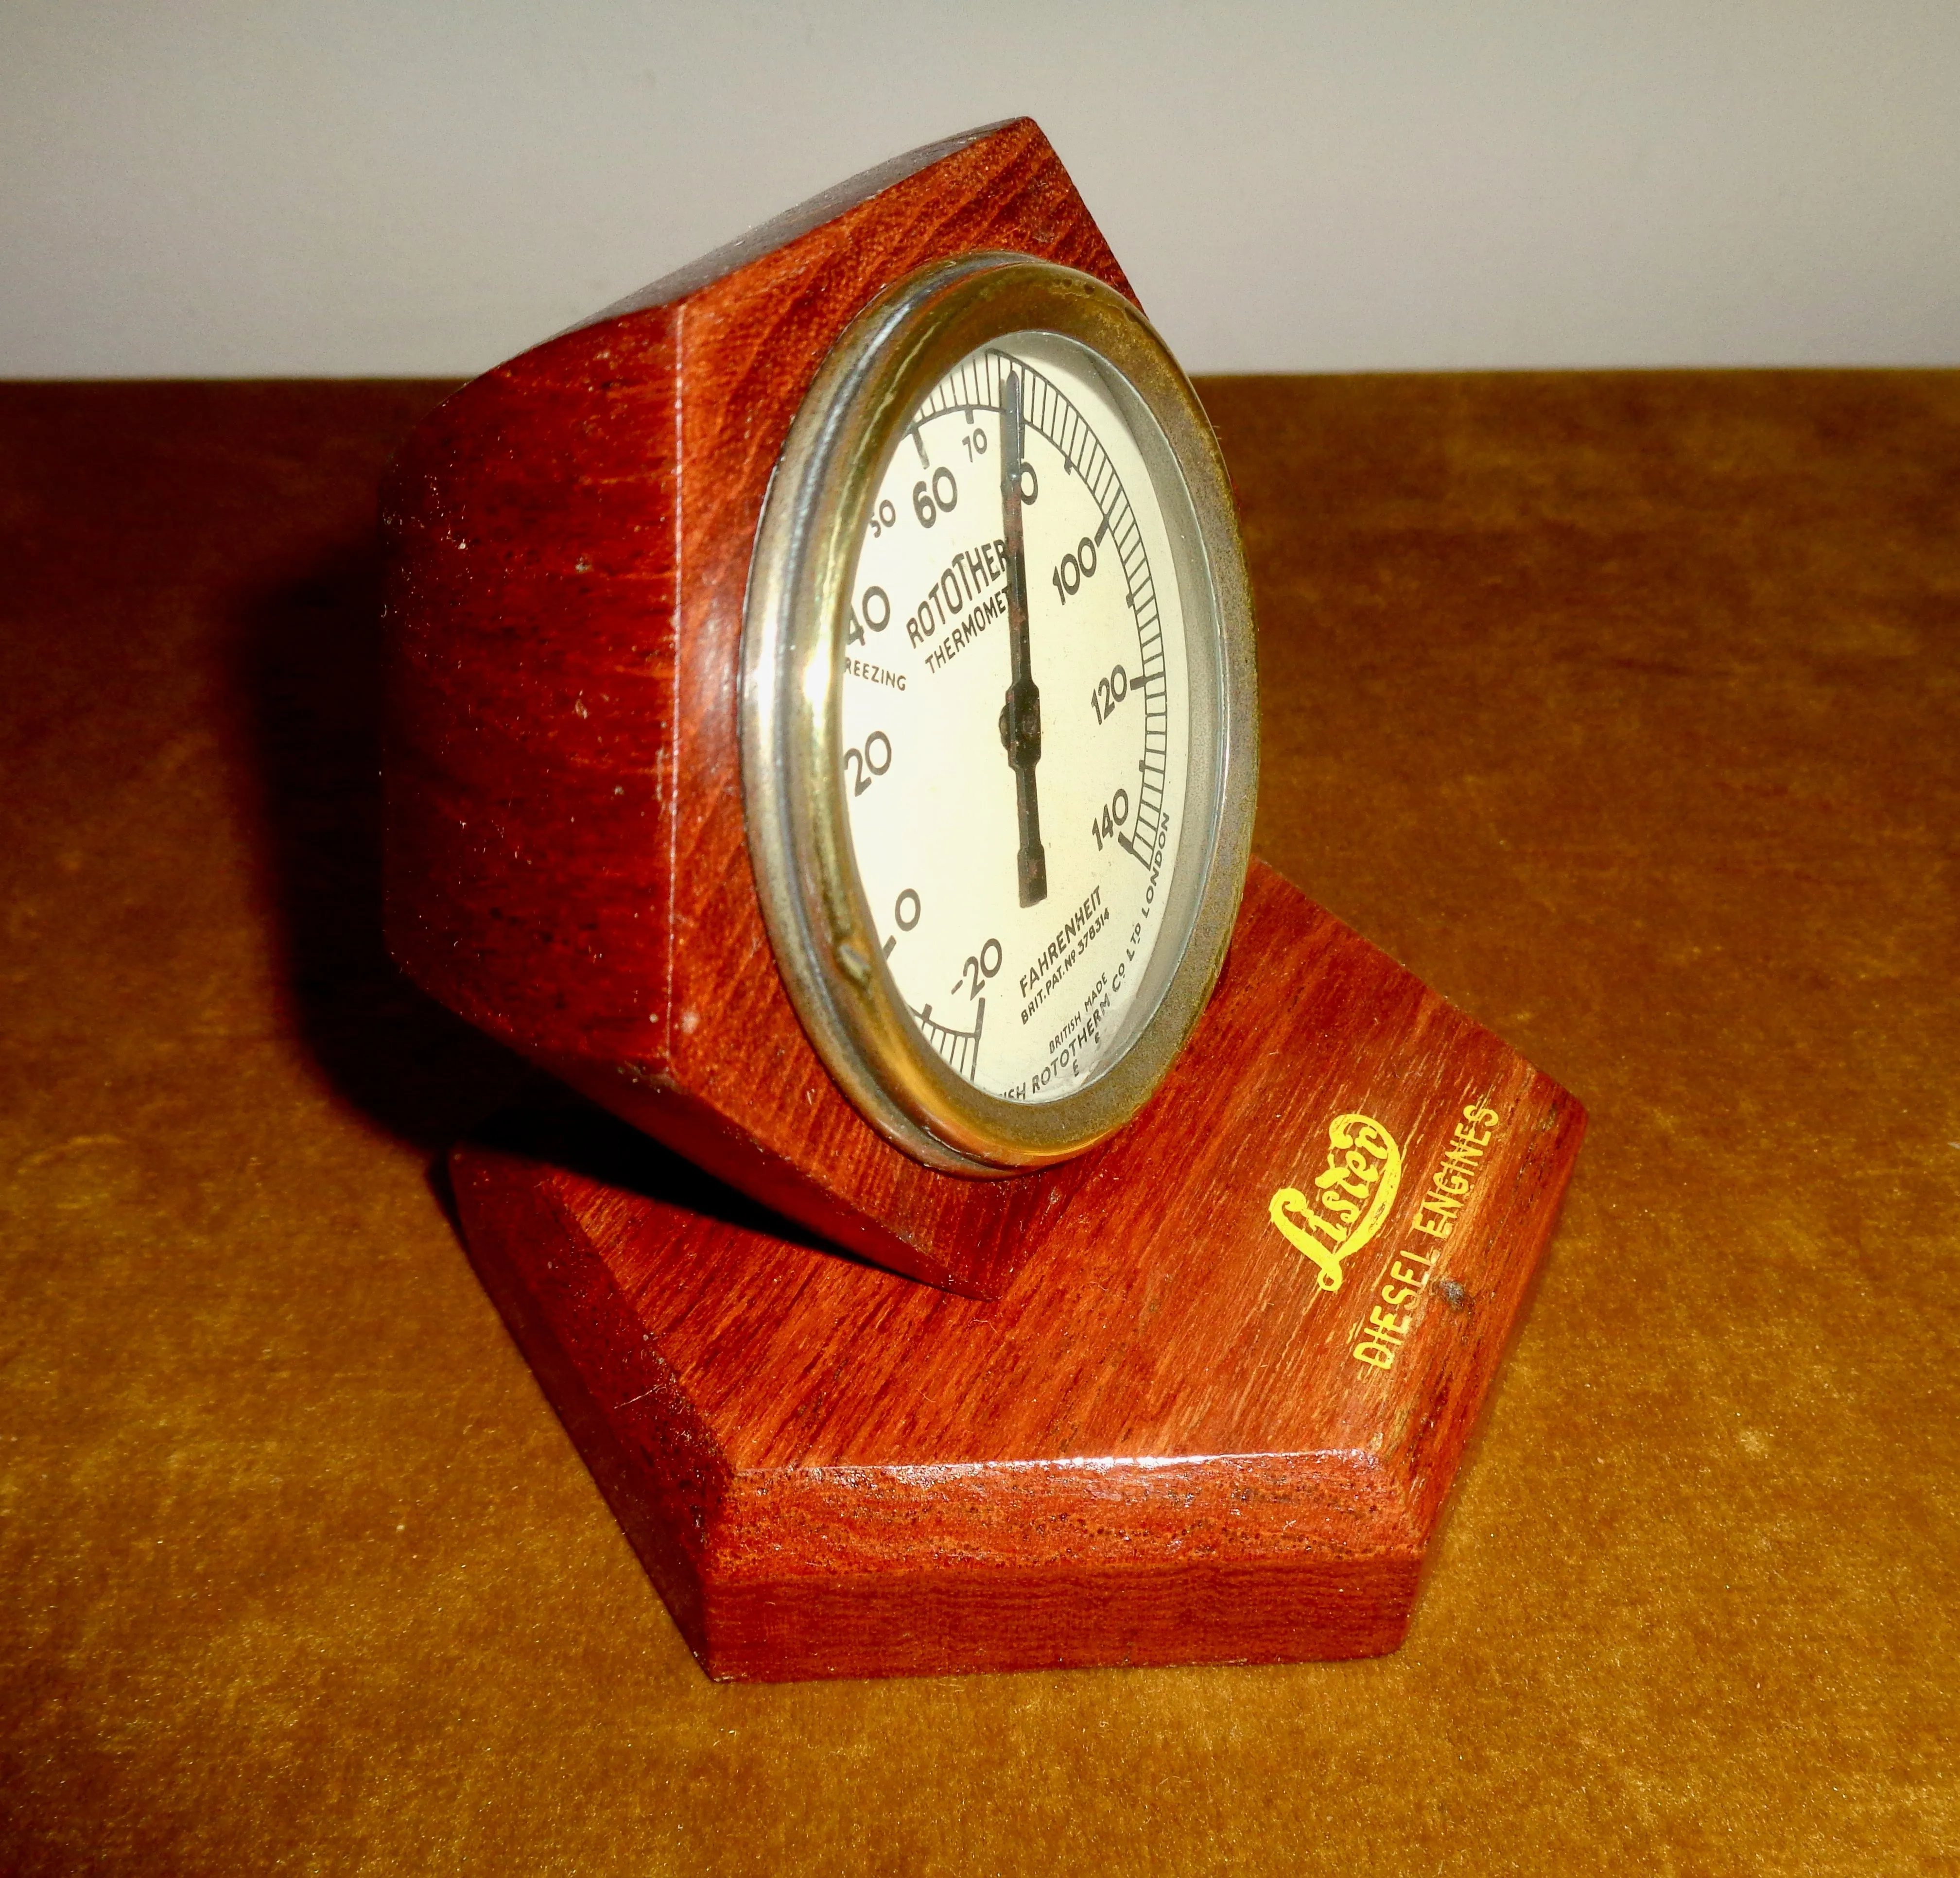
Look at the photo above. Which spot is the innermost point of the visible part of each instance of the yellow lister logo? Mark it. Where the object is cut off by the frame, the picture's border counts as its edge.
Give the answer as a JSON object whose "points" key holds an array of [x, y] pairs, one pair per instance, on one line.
{"points": [[1348, 1202]]}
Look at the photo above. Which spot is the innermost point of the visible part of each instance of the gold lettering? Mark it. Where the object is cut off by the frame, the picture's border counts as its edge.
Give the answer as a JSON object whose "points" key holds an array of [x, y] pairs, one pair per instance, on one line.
{"points": [[1358, 1185], [1289, 1201], [1339, 1177], [1378, 1339]]}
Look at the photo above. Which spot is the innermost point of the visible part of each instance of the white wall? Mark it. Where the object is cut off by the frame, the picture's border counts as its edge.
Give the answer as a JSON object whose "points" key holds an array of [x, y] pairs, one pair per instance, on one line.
{"points": [[292, 187]]}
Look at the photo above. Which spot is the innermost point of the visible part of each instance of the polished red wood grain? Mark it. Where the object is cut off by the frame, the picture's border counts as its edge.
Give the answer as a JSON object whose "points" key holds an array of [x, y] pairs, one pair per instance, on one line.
{"points": [[566, 865], [1157, 1445]]}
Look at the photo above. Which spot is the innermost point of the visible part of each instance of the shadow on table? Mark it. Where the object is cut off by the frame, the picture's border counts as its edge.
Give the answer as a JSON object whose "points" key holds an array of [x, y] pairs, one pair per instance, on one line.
{"points": [[309, 669]]}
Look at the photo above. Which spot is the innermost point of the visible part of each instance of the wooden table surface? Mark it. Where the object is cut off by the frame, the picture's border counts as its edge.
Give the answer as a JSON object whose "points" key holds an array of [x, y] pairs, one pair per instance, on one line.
{"points": [[1624, 708]]}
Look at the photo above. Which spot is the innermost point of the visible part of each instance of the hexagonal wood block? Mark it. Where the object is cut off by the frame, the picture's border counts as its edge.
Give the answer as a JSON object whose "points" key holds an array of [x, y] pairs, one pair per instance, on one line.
{"points": [[568, 542], [1213, 1419]]}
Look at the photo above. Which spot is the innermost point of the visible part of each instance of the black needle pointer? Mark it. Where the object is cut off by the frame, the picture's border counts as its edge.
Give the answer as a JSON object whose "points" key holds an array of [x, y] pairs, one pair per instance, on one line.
{"points": [[1020, 716]]}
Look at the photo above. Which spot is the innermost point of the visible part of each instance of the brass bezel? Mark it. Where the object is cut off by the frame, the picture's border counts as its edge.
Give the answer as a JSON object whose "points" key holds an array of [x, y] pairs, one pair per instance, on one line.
{"points": [[800, 844]]}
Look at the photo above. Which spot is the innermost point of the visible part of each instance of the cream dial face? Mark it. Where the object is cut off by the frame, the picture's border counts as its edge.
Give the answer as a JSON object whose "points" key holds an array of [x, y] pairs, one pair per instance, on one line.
{"points": [[1017, 718]]}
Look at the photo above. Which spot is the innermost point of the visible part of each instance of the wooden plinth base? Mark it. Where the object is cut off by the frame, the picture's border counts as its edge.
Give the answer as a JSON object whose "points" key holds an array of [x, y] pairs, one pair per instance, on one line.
{"points": [[1179, 1437]]}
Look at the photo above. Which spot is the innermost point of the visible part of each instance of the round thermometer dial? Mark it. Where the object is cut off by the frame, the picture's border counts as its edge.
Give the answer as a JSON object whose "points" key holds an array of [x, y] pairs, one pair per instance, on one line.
{"points": [[1017, 718], [999, 743]]}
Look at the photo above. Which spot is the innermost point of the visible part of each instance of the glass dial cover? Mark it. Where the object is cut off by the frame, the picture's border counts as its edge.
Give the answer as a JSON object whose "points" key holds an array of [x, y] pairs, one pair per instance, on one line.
{"points": [[999, 733]]}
